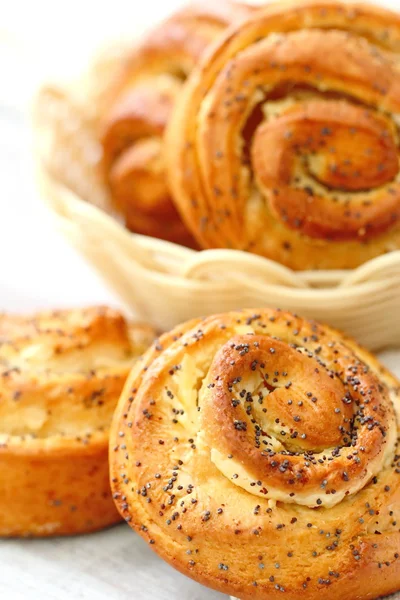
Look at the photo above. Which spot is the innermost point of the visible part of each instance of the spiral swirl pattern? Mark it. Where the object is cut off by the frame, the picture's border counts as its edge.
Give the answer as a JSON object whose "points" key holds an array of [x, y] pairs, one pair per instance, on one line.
{"points": [[287, 136], [246, 435], [140, 108]]}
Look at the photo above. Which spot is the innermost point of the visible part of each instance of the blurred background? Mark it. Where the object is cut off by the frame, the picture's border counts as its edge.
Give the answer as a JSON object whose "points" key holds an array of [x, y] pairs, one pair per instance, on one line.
{"points": [[40, 41]]}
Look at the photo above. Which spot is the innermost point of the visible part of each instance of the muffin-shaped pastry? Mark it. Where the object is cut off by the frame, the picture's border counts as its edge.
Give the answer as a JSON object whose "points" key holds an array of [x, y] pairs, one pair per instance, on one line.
{"points": [[257, 453], [61, 374], [140, 105], [285, 143]]}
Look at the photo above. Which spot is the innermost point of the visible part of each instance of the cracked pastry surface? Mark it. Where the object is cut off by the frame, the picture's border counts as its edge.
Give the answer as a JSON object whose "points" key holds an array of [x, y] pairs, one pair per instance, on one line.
{"points": [[61, 374], [257, 452], [285, 140]]}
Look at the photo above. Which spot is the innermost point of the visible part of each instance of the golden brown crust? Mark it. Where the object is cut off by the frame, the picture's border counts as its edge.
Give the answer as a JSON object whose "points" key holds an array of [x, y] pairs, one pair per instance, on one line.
{"points": [[61, 374], [257, 452], [139, 109], [284, 142]]}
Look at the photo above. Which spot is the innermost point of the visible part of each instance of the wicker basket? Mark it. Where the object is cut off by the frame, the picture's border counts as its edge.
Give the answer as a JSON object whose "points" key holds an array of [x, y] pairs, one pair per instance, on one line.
{"points": [[166, 283]]}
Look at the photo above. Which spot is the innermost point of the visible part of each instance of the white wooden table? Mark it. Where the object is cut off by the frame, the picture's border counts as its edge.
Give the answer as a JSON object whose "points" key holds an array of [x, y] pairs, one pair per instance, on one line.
{"points": [[38, 269]]}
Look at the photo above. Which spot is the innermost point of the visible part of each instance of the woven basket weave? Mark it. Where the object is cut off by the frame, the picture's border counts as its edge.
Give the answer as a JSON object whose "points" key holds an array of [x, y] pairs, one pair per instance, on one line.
{"points": [[165, 283]]}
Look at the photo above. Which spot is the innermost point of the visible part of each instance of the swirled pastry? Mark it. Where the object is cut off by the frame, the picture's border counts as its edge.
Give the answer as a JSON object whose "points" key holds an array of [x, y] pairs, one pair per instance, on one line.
{"points": [[285, 140], [257, 452], [61, 374], [140, 107]]}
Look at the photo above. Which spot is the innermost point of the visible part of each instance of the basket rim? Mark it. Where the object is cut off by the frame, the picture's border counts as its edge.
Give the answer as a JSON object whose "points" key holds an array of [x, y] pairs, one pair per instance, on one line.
{"points": [[347, 279], [165, 262], [166, 283]]}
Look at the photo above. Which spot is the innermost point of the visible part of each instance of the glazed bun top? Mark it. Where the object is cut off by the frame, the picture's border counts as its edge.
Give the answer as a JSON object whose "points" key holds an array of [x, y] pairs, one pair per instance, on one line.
{"points": [[257, 452], [61, 373], [284, 141]]}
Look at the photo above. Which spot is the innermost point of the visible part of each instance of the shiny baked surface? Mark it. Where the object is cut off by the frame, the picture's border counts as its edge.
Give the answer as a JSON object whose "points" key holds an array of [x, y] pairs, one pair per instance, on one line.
{"points": [[257, 452], [61, 374], [139, 108], [285, 141]]}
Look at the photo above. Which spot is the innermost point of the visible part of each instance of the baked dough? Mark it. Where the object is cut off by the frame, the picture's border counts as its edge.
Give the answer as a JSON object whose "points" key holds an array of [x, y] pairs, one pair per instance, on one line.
{"points": [[140, 104], [285, 142], [257, 452], [61, 374]]}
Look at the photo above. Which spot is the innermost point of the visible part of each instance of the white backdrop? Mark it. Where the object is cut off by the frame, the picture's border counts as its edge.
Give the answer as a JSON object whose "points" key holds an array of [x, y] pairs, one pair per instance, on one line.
{"points": [[40, 39]]}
